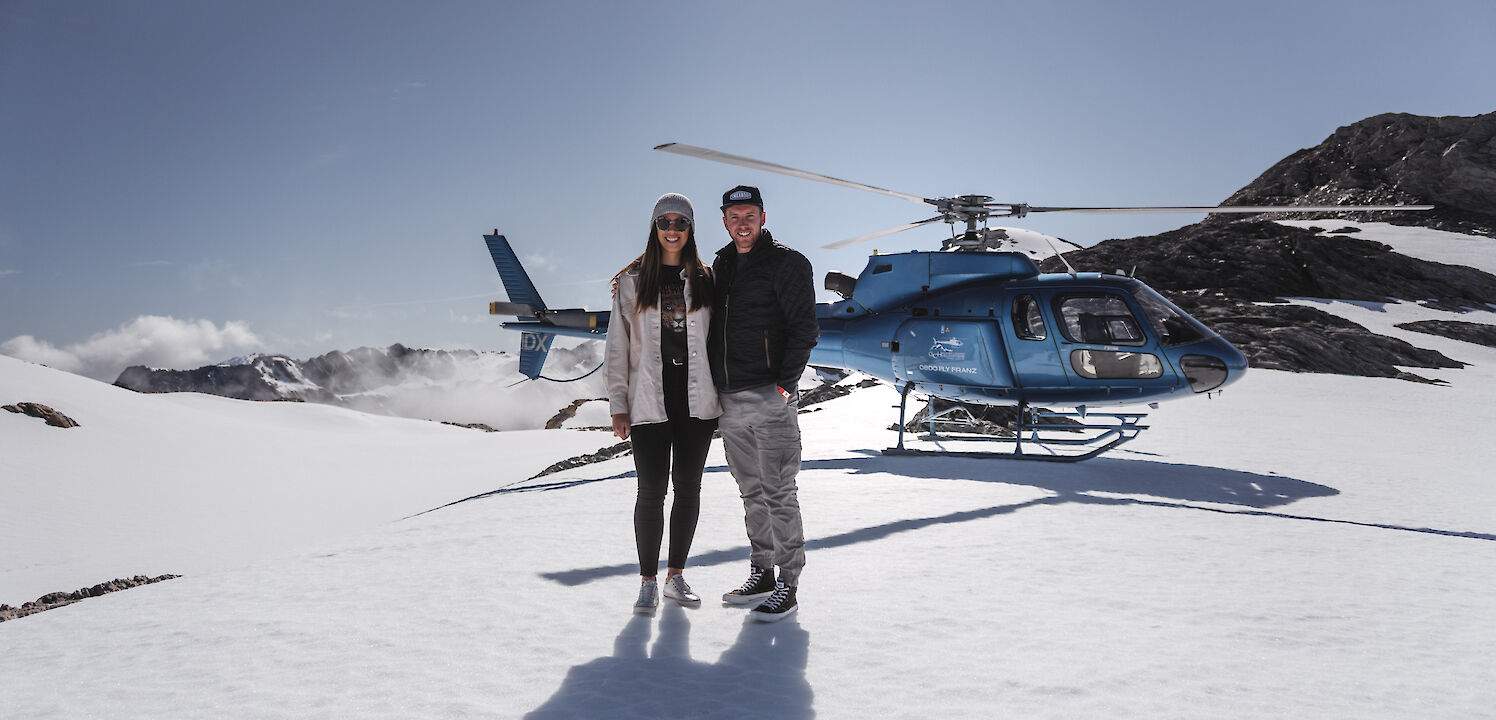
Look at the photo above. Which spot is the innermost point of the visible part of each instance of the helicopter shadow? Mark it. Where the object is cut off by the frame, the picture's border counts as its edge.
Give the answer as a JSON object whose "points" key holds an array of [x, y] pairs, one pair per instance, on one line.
{"points": [[1065, 483], [1119, 482], [1186, 483], [764, 670]]}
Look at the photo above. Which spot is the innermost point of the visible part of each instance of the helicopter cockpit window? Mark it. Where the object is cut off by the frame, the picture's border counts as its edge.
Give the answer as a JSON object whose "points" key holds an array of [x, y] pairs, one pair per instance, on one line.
{"points": [[1174, 326], [1028, 323], [1098, 319]]}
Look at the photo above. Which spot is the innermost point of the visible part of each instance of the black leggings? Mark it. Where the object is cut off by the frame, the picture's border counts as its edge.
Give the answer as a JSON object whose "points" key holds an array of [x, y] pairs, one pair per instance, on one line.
{"points": [[655, 444]]}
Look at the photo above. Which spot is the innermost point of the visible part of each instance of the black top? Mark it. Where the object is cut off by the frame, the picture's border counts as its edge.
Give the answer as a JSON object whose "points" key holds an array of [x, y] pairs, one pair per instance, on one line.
{"points": [[672, 315], [764, 318]]}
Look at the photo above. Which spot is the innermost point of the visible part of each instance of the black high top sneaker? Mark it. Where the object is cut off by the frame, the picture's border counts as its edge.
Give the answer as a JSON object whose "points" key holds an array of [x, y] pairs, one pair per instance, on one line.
{"points": [[760, 584], [779, 606]]}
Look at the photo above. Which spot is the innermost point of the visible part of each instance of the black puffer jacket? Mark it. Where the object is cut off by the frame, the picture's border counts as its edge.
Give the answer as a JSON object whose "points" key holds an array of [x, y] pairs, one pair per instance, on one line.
{"points": [[764, 318]]}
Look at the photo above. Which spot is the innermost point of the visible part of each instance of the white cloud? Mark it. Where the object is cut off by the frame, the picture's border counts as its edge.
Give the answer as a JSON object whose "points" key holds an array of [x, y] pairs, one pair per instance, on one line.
{"points": [[538, 262], [404, 91], [9, 271], [151, 340]]}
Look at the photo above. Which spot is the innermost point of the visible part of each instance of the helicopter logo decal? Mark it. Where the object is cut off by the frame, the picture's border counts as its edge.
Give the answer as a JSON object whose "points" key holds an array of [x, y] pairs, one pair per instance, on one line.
{"points": [[947, 348]]}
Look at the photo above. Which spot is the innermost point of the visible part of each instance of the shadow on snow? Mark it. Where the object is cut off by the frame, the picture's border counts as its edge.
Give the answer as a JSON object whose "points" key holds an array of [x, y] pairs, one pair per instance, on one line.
{"points": [[764, 671], [1161, 485]]}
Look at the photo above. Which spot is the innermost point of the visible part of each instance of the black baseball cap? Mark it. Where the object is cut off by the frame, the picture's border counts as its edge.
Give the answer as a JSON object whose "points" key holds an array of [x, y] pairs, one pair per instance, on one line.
{"points": [[742, 195]]}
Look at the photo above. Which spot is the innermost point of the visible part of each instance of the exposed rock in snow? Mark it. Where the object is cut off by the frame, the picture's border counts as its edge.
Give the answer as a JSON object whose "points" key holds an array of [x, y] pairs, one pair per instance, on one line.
{"points": [[568, 412], [1459, 330], [59, 599], [37, 410]]}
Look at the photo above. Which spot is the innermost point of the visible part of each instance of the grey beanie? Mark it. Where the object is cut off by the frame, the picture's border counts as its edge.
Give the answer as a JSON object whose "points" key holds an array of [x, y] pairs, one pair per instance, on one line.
{"points": [[672, 203]]}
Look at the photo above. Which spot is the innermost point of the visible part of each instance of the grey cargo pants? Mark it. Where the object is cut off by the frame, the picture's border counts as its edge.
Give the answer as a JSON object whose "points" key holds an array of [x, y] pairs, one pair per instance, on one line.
{"points": [[761, 434]]}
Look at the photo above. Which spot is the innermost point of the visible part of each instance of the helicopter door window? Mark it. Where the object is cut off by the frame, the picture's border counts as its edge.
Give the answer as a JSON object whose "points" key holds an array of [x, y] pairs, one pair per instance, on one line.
{"points": [[1028, 324], [1098, 320], [1113, 365]]}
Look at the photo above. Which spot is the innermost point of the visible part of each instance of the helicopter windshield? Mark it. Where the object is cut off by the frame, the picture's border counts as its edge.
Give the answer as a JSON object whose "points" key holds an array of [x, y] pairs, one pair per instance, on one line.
{"points": [[1174, 326]]}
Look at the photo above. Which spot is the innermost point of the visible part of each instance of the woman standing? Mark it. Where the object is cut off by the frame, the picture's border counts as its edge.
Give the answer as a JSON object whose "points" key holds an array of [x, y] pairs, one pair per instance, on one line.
{"points": [[660, 390]]}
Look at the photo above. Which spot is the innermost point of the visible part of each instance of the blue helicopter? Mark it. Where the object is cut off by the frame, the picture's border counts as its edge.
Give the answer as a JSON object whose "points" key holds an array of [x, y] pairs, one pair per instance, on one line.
{"points": [[976, 324]]}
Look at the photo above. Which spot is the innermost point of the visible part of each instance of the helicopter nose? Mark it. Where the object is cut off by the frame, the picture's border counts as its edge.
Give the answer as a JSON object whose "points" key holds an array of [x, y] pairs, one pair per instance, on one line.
{"points": [[1212, 365]]}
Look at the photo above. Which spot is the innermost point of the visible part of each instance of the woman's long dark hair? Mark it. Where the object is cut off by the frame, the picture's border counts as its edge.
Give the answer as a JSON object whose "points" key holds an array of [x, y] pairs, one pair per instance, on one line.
{"points": [[649, 265]]}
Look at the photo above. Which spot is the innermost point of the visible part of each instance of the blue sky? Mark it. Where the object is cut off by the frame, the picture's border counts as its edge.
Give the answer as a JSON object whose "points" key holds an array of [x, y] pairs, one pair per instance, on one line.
{"points": [[183, 181]]}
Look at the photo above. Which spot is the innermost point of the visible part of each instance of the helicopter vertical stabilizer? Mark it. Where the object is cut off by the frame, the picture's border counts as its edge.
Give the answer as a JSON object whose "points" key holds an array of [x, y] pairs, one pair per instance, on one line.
{"points": [[533, 346], [516, 281]]}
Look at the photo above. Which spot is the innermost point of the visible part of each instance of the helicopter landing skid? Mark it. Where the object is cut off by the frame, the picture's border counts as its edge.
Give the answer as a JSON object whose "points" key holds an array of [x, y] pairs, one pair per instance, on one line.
{"points": [[1093, 433]]}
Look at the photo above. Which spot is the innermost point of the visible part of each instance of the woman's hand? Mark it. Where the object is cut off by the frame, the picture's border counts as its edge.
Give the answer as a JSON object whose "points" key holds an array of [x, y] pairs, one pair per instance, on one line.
{"points": [[621, 425]]}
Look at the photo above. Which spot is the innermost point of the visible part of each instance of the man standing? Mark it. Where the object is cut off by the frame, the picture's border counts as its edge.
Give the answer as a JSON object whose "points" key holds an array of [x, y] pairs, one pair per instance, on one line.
{"points": [[763, 327]]}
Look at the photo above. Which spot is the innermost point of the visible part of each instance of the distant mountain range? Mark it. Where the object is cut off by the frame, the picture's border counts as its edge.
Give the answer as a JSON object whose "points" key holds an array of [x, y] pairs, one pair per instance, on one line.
{"points": [[325, 378], [459, 386]]}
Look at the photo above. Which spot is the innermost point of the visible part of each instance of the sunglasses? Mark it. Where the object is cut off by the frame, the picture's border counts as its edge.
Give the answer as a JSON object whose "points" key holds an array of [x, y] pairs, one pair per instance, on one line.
{"points": [[681, 224]]}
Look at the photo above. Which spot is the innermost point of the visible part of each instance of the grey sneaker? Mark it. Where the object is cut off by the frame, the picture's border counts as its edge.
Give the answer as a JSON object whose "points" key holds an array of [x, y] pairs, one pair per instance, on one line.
{"points": [[676, 589], [759, 585], [649, 597], [779, 606]]}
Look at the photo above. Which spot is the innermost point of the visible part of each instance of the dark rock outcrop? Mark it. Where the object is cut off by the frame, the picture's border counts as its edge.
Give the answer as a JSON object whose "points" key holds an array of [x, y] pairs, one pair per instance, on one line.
{"points": [[59, 599], [568, 412], [47, 414], [822, 393], [1262, 261], [608, 453], [1455, 329]]}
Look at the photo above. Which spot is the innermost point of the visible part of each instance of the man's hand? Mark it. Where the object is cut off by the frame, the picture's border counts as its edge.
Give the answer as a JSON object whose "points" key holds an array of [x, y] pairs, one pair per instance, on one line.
{"points": [[621, 425]]}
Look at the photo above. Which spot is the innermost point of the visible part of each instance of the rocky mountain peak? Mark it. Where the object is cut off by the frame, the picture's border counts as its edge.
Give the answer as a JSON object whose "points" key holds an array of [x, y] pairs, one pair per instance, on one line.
{"points": [[1449, 162]]}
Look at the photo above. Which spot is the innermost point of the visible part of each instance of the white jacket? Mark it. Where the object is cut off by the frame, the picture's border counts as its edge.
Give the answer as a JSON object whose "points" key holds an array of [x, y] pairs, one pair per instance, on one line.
{"points": [[634, 362]]}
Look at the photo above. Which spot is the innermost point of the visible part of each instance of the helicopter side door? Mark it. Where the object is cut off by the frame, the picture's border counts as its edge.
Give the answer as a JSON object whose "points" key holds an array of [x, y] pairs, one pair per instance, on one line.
{"points": [[1031, 343]]}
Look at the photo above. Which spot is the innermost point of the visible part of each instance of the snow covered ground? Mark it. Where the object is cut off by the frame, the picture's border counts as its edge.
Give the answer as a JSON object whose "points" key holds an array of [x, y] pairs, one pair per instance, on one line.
{"points": [[1301, 546]]}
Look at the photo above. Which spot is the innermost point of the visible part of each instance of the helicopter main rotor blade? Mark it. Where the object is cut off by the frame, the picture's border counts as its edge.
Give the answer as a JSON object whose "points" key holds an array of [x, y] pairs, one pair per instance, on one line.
{"points": [[722, 157], [1243, 209], [880, 233]]}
